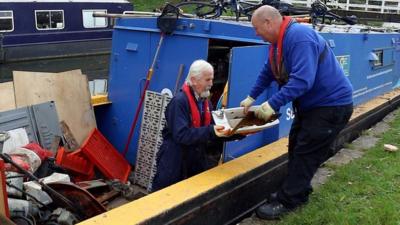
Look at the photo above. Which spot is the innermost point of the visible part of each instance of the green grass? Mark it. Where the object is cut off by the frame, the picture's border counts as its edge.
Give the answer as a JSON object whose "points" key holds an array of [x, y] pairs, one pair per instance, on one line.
{"points": [[366, 191], [150, 5]]}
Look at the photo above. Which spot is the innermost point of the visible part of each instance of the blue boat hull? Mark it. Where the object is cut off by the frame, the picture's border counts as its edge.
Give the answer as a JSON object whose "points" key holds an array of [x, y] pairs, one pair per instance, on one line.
{"points": [[60, 49]]}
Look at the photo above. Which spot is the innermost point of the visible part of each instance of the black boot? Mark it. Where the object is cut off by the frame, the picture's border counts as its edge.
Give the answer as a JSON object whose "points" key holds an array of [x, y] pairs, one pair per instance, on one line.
{"points": [[271, 211]]}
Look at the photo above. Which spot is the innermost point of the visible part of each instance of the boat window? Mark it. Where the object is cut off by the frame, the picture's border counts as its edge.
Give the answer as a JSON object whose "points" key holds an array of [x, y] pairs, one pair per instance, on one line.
{"points": [[94, 22], [6, 21], [379, 61], [49, 19]]}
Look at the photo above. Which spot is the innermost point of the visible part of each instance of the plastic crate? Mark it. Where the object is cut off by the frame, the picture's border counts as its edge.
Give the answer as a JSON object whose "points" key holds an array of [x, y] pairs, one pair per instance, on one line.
{"points": [[75, 162], [105, 157]]}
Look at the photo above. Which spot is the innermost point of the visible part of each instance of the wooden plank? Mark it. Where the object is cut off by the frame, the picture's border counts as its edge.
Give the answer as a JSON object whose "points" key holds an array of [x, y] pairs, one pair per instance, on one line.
{"points": [[70, 140], [70, 92], [7, 98]]}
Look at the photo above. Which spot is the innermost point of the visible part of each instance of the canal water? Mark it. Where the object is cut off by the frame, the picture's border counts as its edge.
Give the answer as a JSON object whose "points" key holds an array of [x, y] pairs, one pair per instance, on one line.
{"points": [[95, 67]]}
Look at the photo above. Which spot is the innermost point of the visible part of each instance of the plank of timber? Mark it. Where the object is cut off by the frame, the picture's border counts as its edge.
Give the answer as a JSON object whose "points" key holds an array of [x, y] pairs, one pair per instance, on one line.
{"points": [[375, 102], [70, 92], [7, 97], [70, 140]]}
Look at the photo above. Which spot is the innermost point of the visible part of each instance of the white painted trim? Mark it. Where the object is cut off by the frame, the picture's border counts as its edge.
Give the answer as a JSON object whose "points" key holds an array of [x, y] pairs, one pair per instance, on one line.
{"points": [[379, 74], [357, 5], [12, 20], [372, 89]]}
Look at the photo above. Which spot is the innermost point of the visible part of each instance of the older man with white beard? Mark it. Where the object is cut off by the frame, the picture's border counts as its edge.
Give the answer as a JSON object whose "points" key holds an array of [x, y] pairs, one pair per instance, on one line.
{"points": [[189, 129]]}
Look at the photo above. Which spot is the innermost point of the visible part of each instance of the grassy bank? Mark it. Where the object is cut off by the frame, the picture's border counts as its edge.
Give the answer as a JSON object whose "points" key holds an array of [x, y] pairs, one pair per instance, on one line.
{"points": [[366, 191], [150, 5]]}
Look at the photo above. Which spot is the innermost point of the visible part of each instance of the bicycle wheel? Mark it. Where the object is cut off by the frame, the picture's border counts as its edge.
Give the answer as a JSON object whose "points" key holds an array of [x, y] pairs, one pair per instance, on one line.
{"points": [[199, 9], [248, 7]]}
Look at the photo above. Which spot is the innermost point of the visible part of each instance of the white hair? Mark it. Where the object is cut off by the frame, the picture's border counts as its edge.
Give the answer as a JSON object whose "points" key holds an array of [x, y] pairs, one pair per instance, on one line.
{"points": [[197, 68]]}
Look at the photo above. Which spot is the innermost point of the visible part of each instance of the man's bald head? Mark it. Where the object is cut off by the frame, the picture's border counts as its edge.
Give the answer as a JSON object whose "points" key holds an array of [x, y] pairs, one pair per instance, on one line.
{"points": [[266, 21], [266, 12]]}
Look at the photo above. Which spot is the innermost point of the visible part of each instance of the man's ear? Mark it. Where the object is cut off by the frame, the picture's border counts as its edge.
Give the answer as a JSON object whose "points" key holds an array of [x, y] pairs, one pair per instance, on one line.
{"points": [[193, 81], [267, 22]]}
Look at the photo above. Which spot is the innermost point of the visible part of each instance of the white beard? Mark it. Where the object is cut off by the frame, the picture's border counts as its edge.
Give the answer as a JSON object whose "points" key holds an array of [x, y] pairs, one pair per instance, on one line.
{"points": [[205, 94]]}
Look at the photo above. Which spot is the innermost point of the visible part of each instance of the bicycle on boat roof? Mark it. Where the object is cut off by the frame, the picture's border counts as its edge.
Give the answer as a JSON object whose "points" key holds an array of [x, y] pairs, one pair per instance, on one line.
{"points": [[240, 8], [216, 8], [245, 8]]}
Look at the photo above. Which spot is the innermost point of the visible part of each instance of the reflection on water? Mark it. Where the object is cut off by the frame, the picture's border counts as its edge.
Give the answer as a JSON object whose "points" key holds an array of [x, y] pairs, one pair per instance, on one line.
{"points": [[95, 67]]}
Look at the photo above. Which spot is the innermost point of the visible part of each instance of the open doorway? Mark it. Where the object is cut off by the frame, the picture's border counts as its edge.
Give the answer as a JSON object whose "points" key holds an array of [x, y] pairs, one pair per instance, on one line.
{"points": [[219, 55], [219, 52]]}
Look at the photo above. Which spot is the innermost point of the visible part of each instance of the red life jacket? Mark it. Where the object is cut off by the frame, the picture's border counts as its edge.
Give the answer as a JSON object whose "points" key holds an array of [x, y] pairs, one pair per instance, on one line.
{"points": [[275, 60], [196, 117]]}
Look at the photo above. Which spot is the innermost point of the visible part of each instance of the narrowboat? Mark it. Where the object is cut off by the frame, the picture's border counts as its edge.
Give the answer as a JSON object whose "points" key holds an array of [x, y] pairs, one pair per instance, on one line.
{"points": [[42, 29]]}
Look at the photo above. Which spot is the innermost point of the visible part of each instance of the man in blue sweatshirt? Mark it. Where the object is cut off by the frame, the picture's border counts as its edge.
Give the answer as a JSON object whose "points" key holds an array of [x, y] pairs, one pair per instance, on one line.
{"points": [[310, 77]]}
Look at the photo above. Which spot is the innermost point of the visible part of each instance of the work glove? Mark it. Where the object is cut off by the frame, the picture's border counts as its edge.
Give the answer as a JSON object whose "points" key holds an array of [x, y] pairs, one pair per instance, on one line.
{"points": [[221, 132], [246, 103], [264, 112]]}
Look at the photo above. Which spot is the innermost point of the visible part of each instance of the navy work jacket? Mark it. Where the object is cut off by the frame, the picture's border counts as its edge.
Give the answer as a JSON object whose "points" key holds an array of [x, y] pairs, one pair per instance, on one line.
{"points": [[183, 151]]}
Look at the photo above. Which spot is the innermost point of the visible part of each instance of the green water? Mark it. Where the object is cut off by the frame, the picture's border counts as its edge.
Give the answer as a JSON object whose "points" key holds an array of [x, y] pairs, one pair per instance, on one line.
{"points": [[95, 67]]}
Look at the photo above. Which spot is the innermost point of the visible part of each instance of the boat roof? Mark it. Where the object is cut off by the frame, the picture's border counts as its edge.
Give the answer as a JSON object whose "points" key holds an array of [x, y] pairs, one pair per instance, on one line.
{"points": [[57, 1]]}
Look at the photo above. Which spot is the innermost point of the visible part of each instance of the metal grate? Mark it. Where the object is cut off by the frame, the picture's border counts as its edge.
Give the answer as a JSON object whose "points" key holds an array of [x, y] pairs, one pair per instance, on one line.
{"points": [[150, 138]]}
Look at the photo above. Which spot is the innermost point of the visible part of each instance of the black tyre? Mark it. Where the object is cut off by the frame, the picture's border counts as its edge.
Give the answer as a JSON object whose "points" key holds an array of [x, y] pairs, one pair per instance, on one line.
{"points": [[199, 9], [247, 9]]}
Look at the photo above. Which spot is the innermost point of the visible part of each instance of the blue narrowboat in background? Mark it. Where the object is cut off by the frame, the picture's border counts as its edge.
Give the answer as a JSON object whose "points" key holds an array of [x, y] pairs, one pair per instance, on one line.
{"points": [[41, 29]]}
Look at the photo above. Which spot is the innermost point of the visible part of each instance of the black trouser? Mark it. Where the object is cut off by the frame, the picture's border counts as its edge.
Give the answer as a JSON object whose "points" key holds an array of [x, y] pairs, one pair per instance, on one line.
{"points": [[310, 139]]}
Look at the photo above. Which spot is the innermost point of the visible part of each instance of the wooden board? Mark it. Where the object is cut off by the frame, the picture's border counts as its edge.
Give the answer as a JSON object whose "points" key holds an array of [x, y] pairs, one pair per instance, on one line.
{"points": [[375, 102], [7, 98], [70, 92]]}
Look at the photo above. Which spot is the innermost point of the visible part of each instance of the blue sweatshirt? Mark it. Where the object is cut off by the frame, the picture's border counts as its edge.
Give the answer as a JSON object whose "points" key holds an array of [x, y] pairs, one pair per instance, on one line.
{"points": [[312, 83]]}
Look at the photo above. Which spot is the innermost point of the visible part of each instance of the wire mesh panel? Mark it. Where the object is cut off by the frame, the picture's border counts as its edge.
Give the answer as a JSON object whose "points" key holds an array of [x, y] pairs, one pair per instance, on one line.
{"points": [[150, 139]]}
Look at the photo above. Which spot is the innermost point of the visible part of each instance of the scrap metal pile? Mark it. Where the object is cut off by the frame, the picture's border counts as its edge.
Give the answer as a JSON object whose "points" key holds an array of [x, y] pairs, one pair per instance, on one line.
{"points": [[51, 173]]}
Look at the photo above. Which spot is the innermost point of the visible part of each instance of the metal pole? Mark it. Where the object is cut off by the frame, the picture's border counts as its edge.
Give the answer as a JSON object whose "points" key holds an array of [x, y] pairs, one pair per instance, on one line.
{"points": [[136, 14]]}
